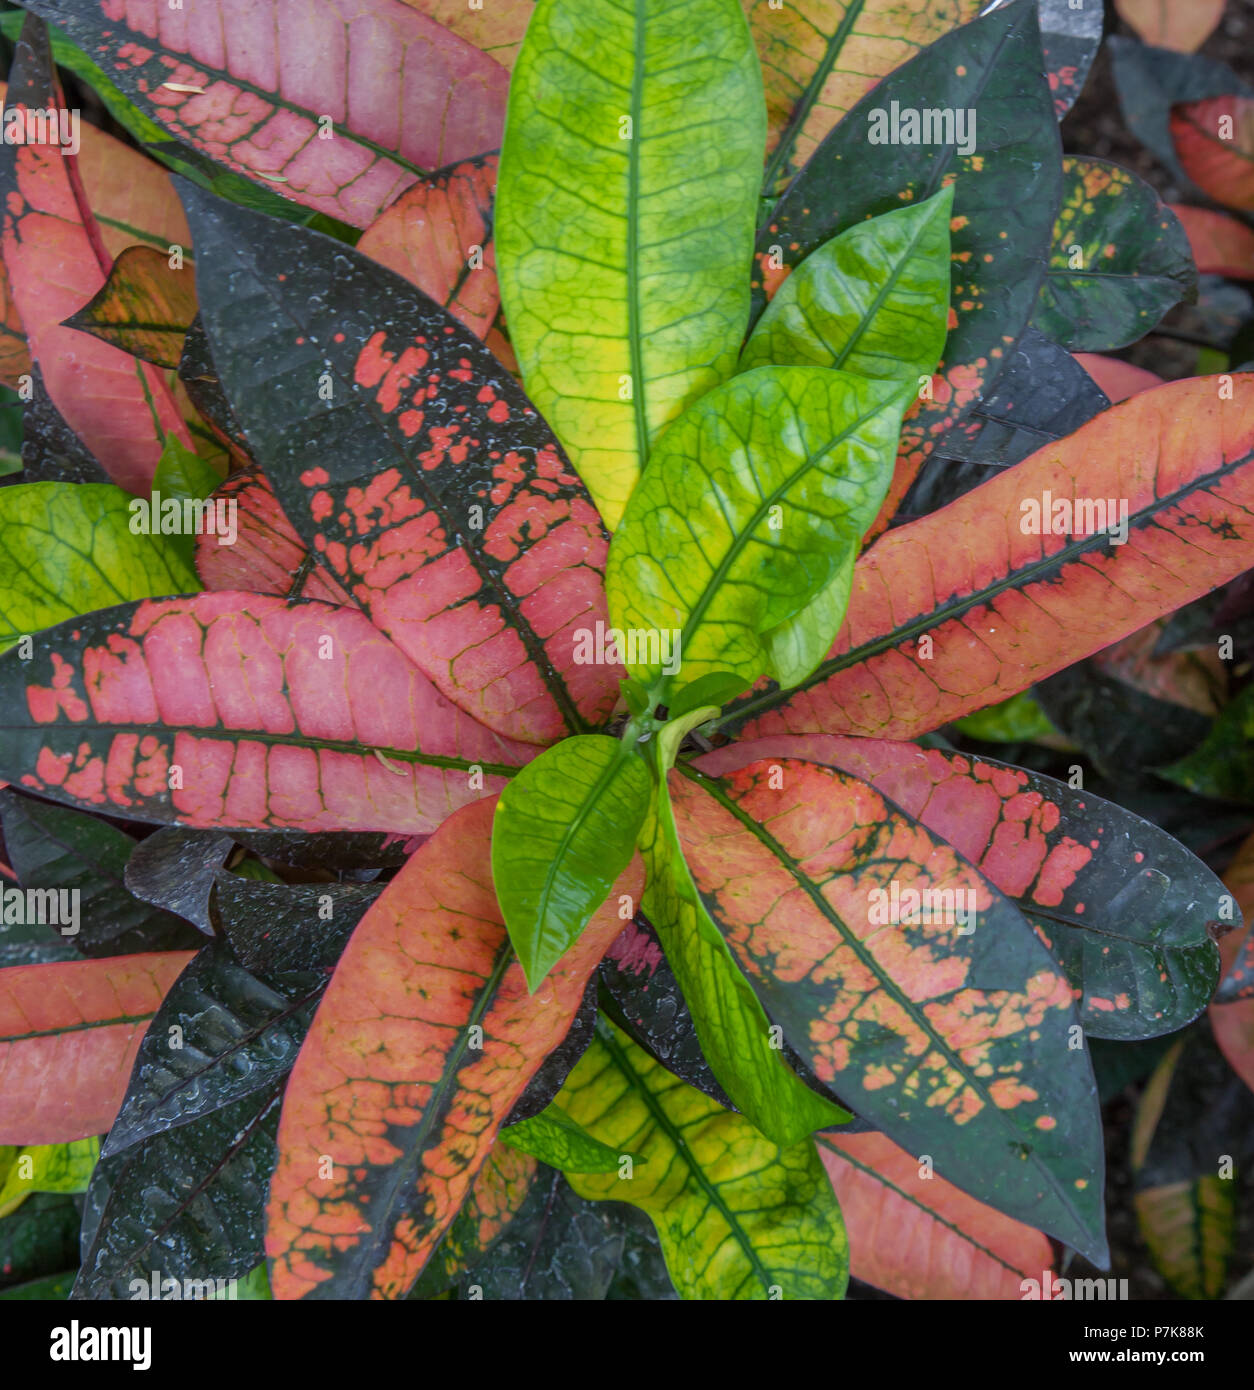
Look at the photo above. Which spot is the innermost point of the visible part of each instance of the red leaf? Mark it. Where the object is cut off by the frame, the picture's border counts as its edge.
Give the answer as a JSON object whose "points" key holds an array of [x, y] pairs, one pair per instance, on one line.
{"points": [[393, 1086], [431, 235], [267, 557], [1215, 142], [68, 1036], [963, 608], [297, 716], [923, 1238], [252, 84], [56, 264]]}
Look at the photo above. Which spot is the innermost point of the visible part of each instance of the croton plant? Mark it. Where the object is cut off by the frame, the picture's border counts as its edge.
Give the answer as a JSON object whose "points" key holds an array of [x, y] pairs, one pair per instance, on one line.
{"points": [[523, 512]]}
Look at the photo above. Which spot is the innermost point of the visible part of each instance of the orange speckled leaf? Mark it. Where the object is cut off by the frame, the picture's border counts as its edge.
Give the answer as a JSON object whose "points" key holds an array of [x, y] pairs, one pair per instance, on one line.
{"points": [[496, 1196], [433, 491], [230, 709], [1221, 245], [921, 1237], [940, 1019], [438, 235], [1118, 379], [56, 263], [1184, 25], [964, 608], [1233, 1023], [268, 556], [820, 57], [1215, 142], [424, 1040], [254, 83], [1122, 906], [68, 1036]]}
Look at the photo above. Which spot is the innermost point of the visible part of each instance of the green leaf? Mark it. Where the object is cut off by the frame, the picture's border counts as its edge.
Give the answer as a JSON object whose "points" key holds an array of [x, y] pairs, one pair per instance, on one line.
{"points": [[554, 1138], [753, 504], [68, 550], [1017, 720], [625, 213], [184, 476], [873, 300], [47, 1168], [738, 1217], [732, 1026], [1222, 766], [1119, 261], [565, 828], [40, 1238]]}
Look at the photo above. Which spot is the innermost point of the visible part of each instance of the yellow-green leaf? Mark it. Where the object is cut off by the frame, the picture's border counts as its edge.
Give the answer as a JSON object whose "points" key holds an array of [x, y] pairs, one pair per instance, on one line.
{"points": [[624, 219], [737, 1216]]}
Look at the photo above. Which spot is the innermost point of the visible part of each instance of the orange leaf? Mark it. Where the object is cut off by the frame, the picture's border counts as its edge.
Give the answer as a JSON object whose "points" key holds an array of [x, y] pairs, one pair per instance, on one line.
{"points": [[970, 605], [1184, 25], [424, 1040]]}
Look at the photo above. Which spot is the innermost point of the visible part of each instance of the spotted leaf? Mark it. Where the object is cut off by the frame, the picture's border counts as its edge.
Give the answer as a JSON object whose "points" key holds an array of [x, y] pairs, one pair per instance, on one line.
{"points": [[1123, 907], [268, 556], [425, 1038], [942, 1020], [339, 108], [965, 607], [1007, 183], [1120, 260], [439, 236], [819, 57], [69, 1032], [622, 258], [234, 709], [411, 464]]}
